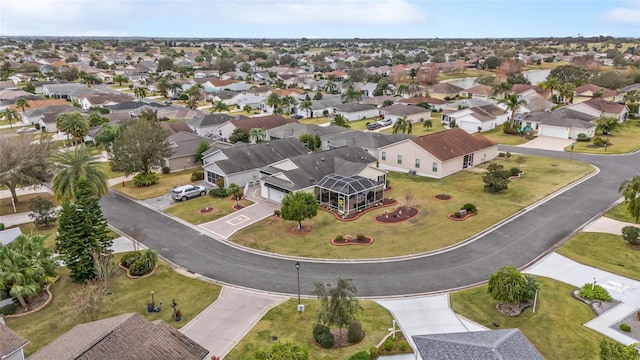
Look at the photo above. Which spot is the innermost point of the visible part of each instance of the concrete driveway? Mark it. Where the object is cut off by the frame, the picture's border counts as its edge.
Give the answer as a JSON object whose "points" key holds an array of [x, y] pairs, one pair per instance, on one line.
{"points": [[547, 143]]}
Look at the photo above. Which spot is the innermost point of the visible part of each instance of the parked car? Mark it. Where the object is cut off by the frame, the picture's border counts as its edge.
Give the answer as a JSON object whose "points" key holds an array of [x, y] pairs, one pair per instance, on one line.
{"points": [[26, 130], [374, 126], [385, 122], [297, 117], [185, 192]]}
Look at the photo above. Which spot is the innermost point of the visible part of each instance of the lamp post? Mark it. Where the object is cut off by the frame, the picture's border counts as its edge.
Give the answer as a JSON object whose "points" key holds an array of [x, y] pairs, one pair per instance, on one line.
{"points": [[300, 308], [153, 303]]}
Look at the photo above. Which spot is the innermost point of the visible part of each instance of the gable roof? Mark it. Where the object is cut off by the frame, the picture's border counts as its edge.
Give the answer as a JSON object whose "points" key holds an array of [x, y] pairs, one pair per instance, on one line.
{"points": [[175, 127], [122, 337], [185, 143], [297, 129], [605, 106], [480, 90], [446, 88], [261, 122], [353, 107], [10, 341], [210, 119], [369, 139], [404, 110], [8, 235], [565, 117], [507, 344], [421, 99], [38, 104], [452, 143]]}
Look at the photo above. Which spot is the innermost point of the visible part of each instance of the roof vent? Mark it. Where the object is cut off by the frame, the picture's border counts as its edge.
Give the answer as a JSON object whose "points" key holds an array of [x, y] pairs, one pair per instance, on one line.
{"points": [[321, 159], [312, 180]]}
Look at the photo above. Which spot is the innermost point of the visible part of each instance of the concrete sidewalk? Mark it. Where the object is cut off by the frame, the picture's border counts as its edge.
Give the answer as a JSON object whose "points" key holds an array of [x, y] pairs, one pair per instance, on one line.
{"points": [[607, 225], [225, 322]]}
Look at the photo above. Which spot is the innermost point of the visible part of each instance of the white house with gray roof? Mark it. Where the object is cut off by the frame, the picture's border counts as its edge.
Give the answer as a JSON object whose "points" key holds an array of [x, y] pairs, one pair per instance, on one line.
{"points": [[371, 142], [355, 111], [64, 91], [562, 123]]}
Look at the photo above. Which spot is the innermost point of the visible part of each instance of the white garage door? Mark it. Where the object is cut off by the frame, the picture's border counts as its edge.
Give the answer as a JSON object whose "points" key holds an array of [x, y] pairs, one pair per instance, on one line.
{"points": [[468, 126], [554, 131], [275, 195]]}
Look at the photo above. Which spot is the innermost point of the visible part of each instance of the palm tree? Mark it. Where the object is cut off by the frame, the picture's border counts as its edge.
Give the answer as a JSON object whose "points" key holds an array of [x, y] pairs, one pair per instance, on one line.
{"points": [[288, 102], [10, 115], [307, 105], [500, 88], [70, 166], [194, 95], [513, 104], [551, 84], [163, 86], [630, 189], [351, 95], [383, 88], [106, 137], [631, 98], [566, 91], [607, 124], [402, 125], [274, 101], [403, 89], [22, 103], [140, 92], [257, 134], [331, 86], [176, 87], [427, 124], [120, 79], [219, 106], [340, 120], [73, 124]]}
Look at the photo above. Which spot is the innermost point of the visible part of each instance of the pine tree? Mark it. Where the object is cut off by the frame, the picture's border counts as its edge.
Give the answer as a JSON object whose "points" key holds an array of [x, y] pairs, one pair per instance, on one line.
{"points": [[82, 229]]}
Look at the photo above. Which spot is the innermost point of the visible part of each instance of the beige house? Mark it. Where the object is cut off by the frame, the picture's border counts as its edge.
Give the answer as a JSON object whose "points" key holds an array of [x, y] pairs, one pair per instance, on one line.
{"points": [[439, 154], [412, 112], [591, 91]]}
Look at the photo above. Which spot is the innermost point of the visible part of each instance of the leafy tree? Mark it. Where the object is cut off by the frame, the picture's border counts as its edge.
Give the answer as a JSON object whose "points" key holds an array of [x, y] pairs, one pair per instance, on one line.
{"points": [[219, 106], [298, 206], [95, 119], [82, 229], [140, 92], [282, 351], [194, 96], [312, 142], [240, 134], [140, 147], [488, 80], [492, 62], [630, 189], [70, 166], [510, 286], [613, 350], [513, 104], [73, 124], [496, 179], [570, 74], [22, 103], [631, 234], [340, 120], [257, 135], [27, 266], [43, 211], [106, 137], [402, 125], [517, 78], [607, 124], [29, 87], [203, 146], [165, 63], [247, 108], [338, 304], [120, 79], [10, 115], [23, 163]]}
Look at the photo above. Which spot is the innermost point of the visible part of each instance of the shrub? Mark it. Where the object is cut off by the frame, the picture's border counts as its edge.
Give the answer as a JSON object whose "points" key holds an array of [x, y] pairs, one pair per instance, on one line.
{"points": [[197, 175], [507, 154], [598, 141], [515, 171], [509, 130], [37, 126], [1, 226], [469, 207], [276, 213], [323, 336], [138, 268], [361, 238], [362, 355], [9, 309], [388, 345], [220, 183], [501, 154], [625, 327], [457, 214], [354, 332], [147, 179], [582, 137], [219, 192], [166, 169], [373, 352], [404, 346], [339, 238], [387, 183], [128, 259], [594, 292], [145, 262], [631, 234]]}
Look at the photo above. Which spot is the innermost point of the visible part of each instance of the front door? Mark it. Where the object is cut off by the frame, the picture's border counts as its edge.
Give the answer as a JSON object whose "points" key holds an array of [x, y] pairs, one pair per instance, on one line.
{"points": [[467, 161]]}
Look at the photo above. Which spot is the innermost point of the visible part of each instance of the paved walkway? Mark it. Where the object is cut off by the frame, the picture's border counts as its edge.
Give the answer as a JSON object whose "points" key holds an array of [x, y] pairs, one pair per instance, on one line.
{"points": [[228, 225], [547, 143], [607, 225], [227, 320]]}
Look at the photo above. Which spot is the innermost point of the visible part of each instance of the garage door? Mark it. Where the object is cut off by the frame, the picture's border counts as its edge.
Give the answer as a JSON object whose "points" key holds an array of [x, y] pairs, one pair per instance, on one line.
{"points": [[468, 126], [554, 131], [275, 195]]}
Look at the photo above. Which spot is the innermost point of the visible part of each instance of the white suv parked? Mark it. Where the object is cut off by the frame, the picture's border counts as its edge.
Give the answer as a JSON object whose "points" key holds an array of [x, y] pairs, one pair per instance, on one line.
{"points": [[185, 192]]}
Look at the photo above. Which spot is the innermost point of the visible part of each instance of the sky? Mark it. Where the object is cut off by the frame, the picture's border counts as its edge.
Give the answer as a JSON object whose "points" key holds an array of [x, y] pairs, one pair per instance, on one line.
{"points": [[321, 18]]}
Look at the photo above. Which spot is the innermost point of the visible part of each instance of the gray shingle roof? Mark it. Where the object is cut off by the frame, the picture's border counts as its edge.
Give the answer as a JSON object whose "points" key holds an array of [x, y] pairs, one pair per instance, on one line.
{"points": [[129, 105], [296, 130], [565, 117], [404, 110], [507, 344], [210, 119], [185, 143], [369, 140], [353, 107]]}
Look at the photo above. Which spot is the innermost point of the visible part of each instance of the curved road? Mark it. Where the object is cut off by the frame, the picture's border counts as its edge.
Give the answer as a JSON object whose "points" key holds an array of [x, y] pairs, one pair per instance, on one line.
{"points": [[516, 242]]}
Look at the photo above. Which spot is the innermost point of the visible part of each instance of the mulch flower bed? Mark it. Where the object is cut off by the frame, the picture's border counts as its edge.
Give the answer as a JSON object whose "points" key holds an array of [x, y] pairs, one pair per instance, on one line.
{"points": [[36, 304], [399, 215], [238, 207], [385, 203], [137, 276], [442, 197], [352, 240], [633, 322], [207, 210], [598, 306], [513, 309], [303, 230], [463, 218]]}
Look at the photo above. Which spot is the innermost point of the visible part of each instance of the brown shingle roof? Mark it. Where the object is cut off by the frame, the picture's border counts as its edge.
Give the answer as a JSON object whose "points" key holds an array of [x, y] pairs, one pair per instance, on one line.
{"points": [[175, 127], [404, 110], [452, 143], [39, 104], [421, 99], [446, 88], [128, 336], [605, 106], [10, 341], [261, 122], [480, 90]]}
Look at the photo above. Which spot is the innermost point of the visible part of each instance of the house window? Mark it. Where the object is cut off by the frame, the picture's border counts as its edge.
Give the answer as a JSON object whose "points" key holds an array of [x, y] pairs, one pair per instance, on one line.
{"points": [[417, 164], [434, 167], [467, 161], [399, 159], [383, 156]]}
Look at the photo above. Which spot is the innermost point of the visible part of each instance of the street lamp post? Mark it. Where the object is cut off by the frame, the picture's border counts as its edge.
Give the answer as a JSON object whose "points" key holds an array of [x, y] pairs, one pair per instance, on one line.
{"points": [[300, 307], [153, 303]]}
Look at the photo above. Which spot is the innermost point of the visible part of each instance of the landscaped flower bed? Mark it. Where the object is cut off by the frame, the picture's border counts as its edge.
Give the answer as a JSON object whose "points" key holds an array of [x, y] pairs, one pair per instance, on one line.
{"points": [[359, 239]]}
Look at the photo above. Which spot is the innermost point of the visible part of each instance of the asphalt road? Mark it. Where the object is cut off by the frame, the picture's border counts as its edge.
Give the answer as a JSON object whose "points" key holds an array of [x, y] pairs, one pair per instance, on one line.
{"points": [[518, 242]]}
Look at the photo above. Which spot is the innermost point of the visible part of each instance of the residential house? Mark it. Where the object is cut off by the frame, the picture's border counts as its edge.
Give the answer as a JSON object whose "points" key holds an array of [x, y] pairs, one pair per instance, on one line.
{"points": [[590, 91], [240, 164], [255, 101], [7, 236], [366, 89], [209, 123], [379, 101], [46, 117], [478, 119], [88, 101], [175, 127], [128, 336], [106, 78], [319, 107], [411, 112], [507, 344], [445, 91], [562, 123], [345, 180], [296, 130], [439, 154], [129, 106], [226, 96], [259, 122], [435, 104], [600, 107], [479, 91], [35, 105], [536, 99], [355, 111], [64, 91], [183, 150], [11, 344], [371, 142]]}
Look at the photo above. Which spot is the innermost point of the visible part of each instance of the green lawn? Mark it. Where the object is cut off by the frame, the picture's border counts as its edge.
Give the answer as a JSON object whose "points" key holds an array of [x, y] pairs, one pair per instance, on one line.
{"points": [[283, 321], [543, 176], [105, 167], [555, 329], [620, 213], [608, 252], [625, 139], [497, 136], [23, 203], [166, 183], [315, 120], [418, 129], [49, 233], [128, 295], [189, 211]]}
